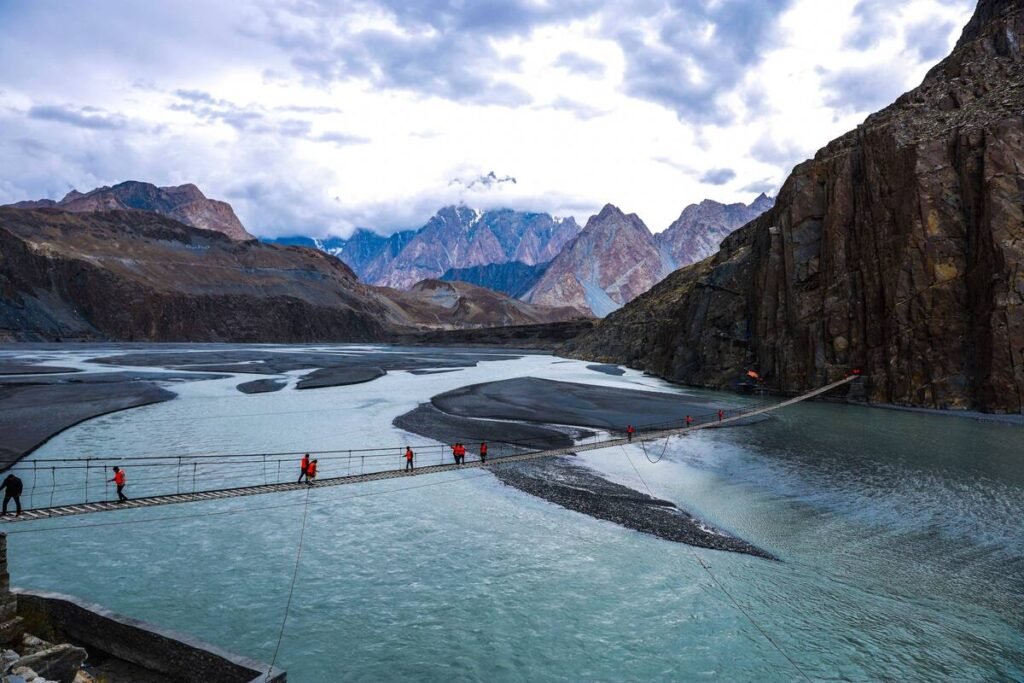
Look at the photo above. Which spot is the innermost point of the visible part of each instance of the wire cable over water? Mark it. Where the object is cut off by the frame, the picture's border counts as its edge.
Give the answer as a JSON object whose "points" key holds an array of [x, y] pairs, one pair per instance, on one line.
{"points": [[291, 588], [721, 587]]}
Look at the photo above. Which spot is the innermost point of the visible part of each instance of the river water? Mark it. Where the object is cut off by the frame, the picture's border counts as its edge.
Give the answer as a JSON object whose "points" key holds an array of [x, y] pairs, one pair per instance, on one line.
{"points": [[899, 534]]}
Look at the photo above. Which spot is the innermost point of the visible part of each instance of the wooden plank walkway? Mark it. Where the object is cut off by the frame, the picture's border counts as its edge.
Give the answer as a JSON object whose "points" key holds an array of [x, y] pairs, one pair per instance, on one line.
{"points": [[172, 499]]}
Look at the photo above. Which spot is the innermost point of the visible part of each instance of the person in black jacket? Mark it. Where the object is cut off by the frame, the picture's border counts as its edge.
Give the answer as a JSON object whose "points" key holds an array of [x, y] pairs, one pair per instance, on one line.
{"points": [[12, 487]]}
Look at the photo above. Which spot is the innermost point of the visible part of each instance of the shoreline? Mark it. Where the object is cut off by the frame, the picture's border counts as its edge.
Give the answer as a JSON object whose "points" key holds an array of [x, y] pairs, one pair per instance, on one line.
{"points": [[159, 395]]}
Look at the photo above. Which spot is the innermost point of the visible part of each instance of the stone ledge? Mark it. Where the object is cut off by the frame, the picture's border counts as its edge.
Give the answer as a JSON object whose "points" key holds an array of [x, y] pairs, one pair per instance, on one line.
{"points": [[60, 618]]}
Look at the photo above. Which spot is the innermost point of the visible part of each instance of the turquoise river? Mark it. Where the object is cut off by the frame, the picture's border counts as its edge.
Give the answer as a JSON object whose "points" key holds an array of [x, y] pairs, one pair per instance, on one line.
{"points": [[900, 537]]}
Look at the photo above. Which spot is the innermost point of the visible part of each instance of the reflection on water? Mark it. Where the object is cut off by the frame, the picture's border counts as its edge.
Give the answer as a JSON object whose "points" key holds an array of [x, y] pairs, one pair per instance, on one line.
{"points": [[900, 534]]}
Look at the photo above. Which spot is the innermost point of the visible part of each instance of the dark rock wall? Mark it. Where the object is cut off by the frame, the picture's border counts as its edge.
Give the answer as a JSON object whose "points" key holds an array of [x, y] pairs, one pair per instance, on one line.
{"points": [[899, 249]]}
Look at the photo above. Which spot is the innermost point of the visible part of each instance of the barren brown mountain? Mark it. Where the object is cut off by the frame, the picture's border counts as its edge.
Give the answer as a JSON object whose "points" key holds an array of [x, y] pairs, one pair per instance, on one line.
{"points": [[184, 203], [133, 275]]}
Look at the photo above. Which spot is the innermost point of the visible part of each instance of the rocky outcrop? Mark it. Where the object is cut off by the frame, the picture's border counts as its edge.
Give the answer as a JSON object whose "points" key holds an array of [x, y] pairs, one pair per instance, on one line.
{"points": [[131, 275], [184, 203], [613, 260], [514, 278], [898, 249], [60, 663], [700, 228], [433, 304]]}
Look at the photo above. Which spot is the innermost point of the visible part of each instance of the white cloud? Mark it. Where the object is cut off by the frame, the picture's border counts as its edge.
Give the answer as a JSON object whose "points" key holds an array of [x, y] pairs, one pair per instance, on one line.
{"points": [[240, 103]]}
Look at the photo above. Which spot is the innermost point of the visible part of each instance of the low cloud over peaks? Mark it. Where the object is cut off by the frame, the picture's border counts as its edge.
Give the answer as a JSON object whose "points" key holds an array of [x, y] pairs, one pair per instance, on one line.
{"points": [[484, 181]]}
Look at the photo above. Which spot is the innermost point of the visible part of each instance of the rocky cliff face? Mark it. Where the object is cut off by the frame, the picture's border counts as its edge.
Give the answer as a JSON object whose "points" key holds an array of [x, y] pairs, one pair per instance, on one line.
{"points": [[613, 260], [184, 203], [899, 250], [130, 275], [700, 228]]}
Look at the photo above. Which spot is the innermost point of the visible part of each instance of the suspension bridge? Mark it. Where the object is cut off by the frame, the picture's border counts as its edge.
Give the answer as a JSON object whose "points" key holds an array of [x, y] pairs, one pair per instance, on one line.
{"points": [[518, 451]]}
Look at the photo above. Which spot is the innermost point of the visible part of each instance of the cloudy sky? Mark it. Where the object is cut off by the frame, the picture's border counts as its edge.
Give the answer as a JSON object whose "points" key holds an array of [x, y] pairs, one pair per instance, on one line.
{"points": [[314, 116]]}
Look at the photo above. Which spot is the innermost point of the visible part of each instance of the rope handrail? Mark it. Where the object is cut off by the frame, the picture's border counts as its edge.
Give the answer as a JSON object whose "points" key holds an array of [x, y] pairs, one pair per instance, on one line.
{"points": [[375, 475]]}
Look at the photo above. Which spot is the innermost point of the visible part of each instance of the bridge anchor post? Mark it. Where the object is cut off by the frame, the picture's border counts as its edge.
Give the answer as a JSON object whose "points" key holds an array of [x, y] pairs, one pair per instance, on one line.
{"points": [[11, 626]]}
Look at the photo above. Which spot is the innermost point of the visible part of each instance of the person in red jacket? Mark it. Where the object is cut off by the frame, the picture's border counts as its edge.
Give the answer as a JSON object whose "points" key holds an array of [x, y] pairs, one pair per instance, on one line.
{"points": [[408, 459], [483, 452], [630, 430], [721, 414], [689, 421], [303, 466], [119, 479], [311, 473], [460, 453]]}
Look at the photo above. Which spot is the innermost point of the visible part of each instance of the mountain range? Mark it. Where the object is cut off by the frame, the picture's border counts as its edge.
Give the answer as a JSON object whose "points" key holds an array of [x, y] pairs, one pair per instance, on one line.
{"points": [[616, 258], [554, 268], [539, 258], [138, 275], [897, 251], [455, 238]]}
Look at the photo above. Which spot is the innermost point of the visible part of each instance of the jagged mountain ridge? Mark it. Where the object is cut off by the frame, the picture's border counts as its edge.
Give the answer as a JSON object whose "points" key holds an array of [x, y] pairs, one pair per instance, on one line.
{"points": [[456, 237], [616, 258], [460, 237], [898, 250], [700, 228], [510, 251], [184, 203], [610, 262], [372, 255]]}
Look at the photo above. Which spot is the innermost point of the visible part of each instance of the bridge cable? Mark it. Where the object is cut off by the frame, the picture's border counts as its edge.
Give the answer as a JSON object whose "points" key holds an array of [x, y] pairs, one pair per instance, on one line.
{"points": [[663, 450], [722, 588], [32, 493], [291, 588]]}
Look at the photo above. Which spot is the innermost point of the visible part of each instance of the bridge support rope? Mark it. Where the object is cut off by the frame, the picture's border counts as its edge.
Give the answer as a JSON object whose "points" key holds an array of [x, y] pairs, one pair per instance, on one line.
{"points": [[237, 492]]}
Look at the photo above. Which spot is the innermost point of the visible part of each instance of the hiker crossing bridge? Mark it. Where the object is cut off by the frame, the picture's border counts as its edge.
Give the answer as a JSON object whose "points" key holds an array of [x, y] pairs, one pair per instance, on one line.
{"points": [[520, 451]]}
